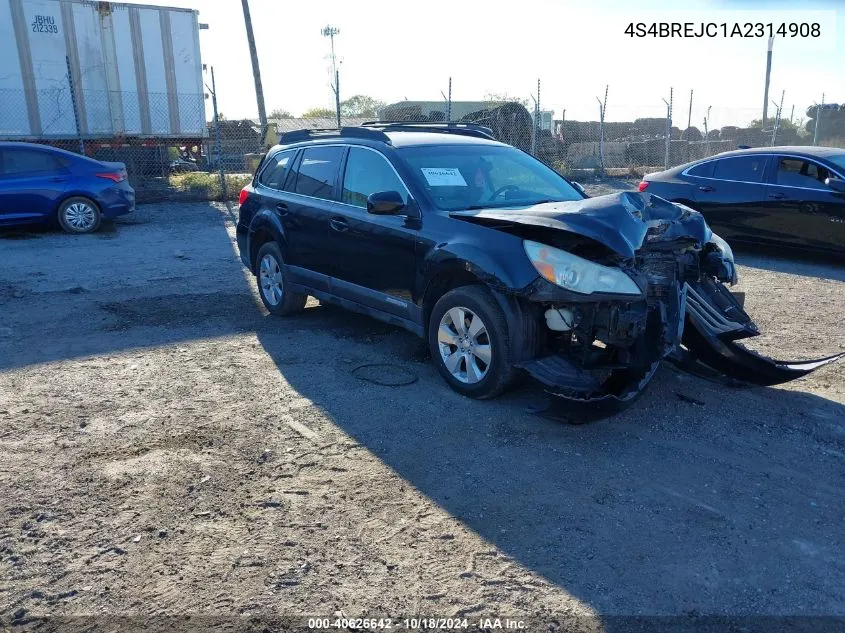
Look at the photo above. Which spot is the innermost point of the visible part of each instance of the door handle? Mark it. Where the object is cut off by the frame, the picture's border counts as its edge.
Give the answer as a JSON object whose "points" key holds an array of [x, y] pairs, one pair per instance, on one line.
{"points": [[339, 224], [777, 196], [705, 188], [282, 208]]}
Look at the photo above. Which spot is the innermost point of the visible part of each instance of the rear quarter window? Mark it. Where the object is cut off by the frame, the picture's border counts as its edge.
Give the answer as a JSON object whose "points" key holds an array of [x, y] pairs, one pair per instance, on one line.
{"points": [[702, 170], [276, 170]]}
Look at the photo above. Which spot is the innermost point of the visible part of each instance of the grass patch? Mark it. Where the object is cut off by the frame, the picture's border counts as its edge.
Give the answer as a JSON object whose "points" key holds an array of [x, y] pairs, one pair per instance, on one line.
{"points": [[207, 186]]}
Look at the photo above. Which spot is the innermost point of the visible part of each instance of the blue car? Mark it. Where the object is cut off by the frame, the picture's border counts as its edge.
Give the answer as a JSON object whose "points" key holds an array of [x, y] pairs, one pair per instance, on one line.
{"points": [[41, 184]]}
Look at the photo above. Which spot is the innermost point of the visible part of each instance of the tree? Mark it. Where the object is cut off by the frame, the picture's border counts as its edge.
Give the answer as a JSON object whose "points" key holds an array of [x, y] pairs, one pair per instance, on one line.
{"points": [[361, 106], [279, 113], [318, 113], [499, 97]]}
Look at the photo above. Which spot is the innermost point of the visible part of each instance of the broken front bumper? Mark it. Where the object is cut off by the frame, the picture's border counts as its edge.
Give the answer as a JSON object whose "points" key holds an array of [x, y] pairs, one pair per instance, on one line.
{"points": [[713, 322]]}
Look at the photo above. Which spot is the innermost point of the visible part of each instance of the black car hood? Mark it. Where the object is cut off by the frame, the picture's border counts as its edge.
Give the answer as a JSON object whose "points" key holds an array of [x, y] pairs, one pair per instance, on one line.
{"points": [[623, 221]]}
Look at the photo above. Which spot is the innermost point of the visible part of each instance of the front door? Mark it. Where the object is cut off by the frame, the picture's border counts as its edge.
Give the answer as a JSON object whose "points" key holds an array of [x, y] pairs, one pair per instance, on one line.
{"points": [[809, 211], [32, 182], [374, 258]]}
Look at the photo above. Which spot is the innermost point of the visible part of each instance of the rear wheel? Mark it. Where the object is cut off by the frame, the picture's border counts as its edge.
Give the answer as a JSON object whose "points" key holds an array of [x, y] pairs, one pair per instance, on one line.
{"points": [[469, 342], [79, 215], [272, 284]]}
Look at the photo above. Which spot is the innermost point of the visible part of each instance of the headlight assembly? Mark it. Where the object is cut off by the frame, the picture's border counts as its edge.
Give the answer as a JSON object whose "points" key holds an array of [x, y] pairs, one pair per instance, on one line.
{"points": [[577, 274]]}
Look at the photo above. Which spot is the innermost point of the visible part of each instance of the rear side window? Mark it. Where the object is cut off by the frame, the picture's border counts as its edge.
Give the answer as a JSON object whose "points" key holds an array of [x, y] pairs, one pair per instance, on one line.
{"points": [[368, 172], [19, 162], [318, 171], [704, 170], [276, 171], [740, 168]]}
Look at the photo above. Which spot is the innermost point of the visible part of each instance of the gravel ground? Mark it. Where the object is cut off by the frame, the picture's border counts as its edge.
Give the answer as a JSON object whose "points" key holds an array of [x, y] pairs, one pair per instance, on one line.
{"points": [[166, 447]]}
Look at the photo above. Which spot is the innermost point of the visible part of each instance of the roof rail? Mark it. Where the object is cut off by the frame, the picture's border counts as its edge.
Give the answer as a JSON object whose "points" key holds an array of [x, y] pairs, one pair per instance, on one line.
{"points": [[452, 127], [308, 134]]}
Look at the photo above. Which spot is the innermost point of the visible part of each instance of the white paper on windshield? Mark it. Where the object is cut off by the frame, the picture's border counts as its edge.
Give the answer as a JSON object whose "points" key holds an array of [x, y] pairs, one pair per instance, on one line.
{"points": [[444, 176]]}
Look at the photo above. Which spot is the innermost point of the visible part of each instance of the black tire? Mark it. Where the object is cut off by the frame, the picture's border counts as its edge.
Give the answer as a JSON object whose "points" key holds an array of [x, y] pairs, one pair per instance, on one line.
{"points": [[288, 302], [79, 215], [499, 372]]}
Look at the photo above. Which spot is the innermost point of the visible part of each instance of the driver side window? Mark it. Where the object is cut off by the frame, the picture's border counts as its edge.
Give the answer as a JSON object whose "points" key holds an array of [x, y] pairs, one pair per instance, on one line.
{"points": [[368, 172], [795, 172]]}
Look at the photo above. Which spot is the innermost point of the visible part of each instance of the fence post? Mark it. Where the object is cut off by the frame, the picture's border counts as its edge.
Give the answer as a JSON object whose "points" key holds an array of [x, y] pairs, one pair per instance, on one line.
{"points": [[777, 118], [217, 148], [668, 128], [816, 127], [75, 108], [602, 110], [449, 103]]}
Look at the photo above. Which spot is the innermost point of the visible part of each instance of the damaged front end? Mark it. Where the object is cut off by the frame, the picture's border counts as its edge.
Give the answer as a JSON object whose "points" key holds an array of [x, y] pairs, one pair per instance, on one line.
{"points": [[605, 340]]}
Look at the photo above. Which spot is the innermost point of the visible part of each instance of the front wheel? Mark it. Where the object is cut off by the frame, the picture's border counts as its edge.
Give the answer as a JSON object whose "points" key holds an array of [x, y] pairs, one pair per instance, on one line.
{"points": [[271, 283], [469, 342]]}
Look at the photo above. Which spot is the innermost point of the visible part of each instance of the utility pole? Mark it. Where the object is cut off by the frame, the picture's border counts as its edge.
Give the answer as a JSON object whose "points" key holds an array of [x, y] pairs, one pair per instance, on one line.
{"points": [[330, 32], [256, 73], [768, 76]]}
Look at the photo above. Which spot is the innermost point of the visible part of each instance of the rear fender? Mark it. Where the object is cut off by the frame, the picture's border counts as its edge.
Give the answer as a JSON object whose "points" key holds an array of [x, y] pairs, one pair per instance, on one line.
{"points": [[264, 222]]}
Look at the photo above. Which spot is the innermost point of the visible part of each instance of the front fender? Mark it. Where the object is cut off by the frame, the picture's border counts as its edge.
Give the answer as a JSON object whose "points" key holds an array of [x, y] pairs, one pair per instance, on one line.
{"points": [[499, 269]]}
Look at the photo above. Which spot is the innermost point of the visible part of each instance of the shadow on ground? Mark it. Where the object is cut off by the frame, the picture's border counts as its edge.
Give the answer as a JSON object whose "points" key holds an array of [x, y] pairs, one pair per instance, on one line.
{"points": [[699, 498]]}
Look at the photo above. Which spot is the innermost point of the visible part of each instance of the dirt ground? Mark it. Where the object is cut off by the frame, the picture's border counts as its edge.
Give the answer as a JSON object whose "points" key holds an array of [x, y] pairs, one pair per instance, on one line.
{"points": [[167, 447]]}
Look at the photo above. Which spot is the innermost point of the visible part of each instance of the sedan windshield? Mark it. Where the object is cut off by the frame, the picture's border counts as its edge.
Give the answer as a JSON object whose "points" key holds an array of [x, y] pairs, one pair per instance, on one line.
{"points": [[463, 177]]}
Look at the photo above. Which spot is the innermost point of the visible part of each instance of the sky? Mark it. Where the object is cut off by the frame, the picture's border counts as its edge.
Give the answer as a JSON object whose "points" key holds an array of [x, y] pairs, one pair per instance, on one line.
{"points": [[576, 48]]}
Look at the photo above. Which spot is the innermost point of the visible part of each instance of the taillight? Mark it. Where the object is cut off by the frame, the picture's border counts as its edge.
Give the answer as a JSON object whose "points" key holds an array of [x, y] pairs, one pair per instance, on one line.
{"points": [[114, 176], [643, 186], [243, 196]]}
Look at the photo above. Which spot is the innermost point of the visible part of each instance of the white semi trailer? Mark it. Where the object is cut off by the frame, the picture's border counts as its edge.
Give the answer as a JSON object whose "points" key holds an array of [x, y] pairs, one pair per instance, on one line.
{"points": [[107, 71]]}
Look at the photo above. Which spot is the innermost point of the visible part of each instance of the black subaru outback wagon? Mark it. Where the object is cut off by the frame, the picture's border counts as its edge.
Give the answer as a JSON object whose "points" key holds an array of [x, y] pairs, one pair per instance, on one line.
{"points": [[499, 262]]}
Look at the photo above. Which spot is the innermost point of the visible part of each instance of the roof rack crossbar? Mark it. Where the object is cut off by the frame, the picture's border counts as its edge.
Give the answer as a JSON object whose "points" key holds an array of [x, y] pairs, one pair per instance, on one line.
{"points": [[451, 127], [311, 133]]}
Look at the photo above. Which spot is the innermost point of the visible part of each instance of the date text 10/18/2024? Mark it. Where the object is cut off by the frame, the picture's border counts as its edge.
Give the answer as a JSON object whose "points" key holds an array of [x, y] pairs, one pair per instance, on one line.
{"points": [[416, 623], [723, 29]]}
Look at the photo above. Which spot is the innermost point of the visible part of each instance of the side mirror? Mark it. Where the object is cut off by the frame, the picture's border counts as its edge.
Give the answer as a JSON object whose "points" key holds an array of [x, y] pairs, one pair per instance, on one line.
{"points": [[385, 203], [836, 184], [579, 187]]}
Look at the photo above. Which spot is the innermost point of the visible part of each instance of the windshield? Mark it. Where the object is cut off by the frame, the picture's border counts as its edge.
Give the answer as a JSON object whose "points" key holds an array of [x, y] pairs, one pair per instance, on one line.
{"points": [[838, 160], [460, 177]]}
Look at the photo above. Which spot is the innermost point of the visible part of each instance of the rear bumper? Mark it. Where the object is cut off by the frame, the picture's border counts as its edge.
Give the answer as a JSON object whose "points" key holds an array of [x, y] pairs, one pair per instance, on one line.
{"points": [[116, 201]]}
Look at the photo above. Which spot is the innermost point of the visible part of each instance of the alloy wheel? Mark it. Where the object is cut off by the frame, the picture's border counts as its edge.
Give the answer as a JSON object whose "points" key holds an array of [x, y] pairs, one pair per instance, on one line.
{"points": [[464, 345], [270, 279]]}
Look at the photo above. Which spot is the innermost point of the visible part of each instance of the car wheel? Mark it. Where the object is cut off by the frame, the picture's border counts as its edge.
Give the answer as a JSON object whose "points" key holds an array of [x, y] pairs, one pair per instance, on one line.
{"points": [[79, 215], [271, 282], [469, 342]]}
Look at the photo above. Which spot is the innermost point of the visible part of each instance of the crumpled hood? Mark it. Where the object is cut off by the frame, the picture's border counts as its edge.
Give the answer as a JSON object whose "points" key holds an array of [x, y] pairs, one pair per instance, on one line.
{"points": [[623, 221]]}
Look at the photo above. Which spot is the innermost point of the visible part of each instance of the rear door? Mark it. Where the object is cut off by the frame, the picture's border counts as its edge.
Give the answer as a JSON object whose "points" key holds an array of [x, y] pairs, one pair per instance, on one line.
{"points": [[809, 211], [311, 198], [733, 198], [32, 181]]}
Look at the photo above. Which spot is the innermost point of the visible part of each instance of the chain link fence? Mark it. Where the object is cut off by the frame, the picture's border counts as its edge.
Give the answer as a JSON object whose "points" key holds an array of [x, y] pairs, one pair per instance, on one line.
{"points": [[175, 150]]}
